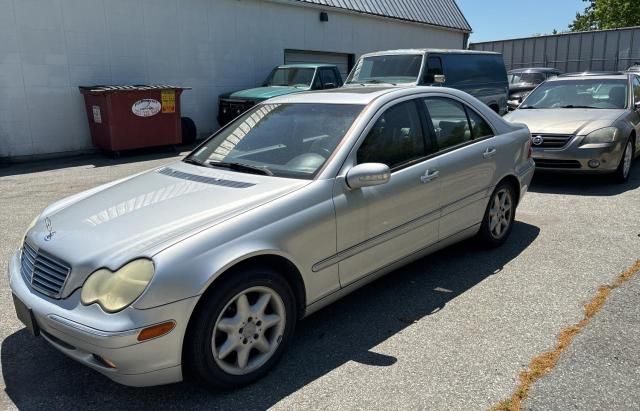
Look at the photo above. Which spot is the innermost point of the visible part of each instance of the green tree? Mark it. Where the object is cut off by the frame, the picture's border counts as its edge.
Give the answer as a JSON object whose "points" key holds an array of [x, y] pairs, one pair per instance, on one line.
{"points": [[607, 14]]}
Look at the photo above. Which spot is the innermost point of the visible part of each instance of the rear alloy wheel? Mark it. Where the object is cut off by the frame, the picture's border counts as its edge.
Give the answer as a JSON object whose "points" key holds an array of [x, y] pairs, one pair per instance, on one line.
{"points": [[241, 329], [624, 168], [499, 216]]}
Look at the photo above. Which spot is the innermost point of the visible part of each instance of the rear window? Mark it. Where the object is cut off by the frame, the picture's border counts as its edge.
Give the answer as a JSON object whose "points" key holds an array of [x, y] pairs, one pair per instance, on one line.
{"points": [[462, 69]]}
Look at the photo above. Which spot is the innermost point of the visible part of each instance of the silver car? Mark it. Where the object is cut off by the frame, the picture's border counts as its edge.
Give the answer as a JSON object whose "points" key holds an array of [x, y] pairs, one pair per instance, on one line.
{"points": [[206, 264], [586, 123]]}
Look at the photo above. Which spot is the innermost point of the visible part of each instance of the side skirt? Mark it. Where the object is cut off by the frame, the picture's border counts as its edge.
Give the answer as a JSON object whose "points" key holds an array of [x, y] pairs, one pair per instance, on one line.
{"points": [[455, 238]]}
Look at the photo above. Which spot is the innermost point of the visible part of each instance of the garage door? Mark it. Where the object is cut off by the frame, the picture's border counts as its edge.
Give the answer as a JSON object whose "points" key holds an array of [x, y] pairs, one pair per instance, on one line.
{"points": [[304, 57]]}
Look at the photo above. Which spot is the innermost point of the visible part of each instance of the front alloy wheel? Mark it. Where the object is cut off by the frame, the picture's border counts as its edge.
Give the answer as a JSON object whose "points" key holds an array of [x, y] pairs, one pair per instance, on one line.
{"points": [[240, 328], [249, 330], [624, 168]]}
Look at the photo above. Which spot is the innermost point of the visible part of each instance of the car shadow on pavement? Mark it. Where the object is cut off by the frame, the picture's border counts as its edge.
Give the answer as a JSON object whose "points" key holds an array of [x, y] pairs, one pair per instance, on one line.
{"points": [[94, 159], [583, 185], [38, 376]]}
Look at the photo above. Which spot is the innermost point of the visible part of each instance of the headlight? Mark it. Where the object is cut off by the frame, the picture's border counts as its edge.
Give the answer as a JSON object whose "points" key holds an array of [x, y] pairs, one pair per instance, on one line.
{"points": [[114, 291], [600, 136]]}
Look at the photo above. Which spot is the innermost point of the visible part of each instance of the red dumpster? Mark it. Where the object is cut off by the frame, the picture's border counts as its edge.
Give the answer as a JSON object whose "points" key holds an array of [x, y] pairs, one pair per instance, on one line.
{"points": [[129, 117]]}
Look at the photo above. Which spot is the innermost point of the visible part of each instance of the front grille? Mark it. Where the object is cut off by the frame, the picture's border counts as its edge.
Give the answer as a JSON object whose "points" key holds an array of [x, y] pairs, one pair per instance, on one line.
{"points": [[549, 140], [546, 163], [44, 272]]}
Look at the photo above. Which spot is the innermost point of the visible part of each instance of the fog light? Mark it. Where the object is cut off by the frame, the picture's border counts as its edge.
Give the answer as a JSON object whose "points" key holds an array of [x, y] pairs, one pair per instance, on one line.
{"points": [[594, 163], [157, 330]]}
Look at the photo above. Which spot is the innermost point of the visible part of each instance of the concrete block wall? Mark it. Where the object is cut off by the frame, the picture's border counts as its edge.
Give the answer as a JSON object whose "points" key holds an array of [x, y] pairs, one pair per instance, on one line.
{"points": [[50, 47]]}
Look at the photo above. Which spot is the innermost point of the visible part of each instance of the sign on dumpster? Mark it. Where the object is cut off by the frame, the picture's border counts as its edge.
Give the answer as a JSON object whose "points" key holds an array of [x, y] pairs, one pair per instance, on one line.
{"points": [[146, 107], [168, 98]]}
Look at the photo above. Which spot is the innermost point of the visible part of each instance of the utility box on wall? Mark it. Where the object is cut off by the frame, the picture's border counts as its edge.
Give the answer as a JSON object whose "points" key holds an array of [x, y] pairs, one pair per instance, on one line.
{"points": [[130, 117]]}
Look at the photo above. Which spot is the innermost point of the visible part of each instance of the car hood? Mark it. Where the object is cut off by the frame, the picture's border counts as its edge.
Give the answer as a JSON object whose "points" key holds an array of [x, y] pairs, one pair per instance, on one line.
{"points": [[140, 216], [573, 121], [263, 93]]}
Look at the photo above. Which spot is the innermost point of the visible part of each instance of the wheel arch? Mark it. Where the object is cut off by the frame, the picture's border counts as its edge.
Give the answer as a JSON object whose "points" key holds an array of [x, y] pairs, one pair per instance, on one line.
{"points": [[273, 260], [513, 182]]}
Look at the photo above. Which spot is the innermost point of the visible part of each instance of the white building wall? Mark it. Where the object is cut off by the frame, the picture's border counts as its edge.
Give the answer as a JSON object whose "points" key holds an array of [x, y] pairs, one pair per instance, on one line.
{"points": [[50, 47]]}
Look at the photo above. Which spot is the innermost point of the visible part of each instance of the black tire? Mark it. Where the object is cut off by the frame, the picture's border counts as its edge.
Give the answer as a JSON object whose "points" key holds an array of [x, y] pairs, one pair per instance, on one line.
{"points": [[189, 131], [621, 174], [199, 356], [486, 236]]}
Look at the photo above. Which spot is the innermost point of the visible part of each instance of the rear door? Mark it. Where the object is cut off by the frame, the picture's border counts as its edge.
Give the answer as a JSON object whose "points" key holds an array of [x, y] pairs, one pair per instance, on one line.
{"points": [[466, 150]]}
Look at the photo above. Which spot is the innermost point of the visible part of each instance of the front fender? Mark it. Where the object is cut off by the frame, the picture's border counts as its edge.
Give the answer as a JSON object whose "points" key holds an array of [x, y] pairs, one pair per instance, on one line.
{"points": [[299, 227]]}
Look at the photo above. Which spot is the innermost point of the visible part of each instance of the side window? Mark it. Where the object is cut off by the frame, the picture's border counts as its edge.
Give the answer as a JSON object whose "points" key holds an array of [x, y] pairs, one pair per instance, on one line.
{"points": [[434, 66], [396, 137], [479, 127], [450, 123], [636, 89], [328, 77]]}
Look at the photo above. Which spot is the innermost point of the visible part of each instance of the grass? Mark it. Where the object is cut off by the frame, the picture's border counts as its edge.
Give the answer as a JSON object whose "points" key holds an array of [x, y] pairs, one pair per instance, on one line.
{"points": [[543, 363]]}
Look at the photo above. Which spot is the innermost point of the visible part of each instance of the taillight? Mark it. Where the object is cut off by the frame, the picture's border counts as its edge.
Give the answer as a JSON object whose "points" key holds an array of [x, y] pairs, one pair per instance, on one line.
{"points": [[529, 149]]}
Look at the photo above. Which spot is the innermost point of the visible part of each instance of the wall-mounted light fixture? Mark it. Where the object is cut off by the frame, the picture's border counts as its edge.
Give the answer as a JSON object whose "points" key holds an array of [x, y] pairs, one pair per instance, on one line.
{"points": [[324, 16]]}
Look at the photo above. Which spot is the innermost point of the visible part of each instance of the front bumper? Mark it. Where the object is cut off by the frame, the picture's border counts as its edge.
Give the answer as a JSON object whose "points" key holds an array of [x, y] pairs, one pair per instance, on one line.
{"points": [[573, 158], [90, 336]]}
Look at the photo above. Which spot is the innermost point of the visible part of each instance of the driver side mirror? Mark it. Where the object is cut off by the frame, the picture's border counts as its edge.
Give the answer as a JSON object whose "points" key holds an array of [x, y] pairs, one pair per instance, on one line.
{"points": [[368, 174], [636, 106]]}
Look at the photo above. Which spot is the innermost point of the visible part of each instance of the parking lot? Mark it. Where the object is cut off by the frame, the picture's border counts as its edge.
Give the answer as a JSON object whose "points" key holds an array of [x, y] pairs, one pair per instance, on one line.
{"points": [[451, 331]]}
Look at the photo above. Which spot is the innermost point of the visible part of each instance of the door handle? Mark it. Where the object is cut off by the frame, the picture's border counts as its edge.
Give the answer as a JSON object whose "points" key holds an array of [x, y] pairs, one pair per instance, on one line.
{"points": [[429, 175], [490, 152]]}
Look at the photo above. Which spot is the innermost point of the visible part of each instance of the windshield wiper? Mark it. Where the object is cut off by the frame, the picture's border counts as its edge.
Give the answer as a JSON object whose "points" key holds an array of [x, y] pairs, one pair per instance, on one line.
{"points": [[194, 161], [572, 106], [246, 168], [527, 107]]}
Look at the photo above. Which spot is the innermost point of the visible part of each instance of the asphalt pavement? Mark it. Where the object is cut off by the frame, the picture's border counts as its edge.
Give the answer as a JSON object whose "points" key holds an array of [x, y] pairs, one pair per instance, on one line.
{"points": [[451, 331], [601, 369]]}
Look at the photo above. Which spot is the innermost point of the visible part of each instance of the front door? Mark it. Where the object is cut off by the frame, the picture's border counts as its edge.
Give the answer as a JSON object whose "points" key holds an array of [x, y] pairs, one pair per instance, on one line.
{"points": [[379, 225]]}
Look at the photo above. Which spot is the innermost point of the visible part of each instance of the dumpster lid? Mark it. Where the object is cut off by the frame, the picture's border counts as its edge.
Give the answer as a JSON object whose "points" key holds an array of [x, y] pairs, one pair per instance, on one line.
{"points": [[136, 87]]}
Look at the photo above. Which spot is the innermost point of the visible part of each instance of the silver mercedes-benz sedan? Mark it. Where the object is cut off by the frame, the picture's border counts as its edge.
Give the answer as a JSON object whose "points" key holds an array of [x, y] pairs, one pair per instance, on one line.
{"points": [[584, 122], [206, 264]]}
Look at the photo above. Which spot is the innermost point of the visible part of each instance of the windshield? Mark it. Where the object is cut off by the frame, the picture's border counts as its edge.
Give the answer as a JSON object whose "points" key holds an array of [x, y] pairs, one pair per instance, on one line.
{"points": [[285, 140], [400, 68], [527, 78], [291, 76], [583, 93]]}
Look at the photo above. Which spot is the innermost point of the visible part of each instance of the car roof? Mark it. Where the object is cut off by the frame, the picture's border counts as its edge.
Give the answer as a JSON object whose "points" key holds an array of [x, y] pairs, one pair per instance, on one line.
{"points": [[427, 50], [357, 95], [533, 70], [599, 75], [306, 65]]}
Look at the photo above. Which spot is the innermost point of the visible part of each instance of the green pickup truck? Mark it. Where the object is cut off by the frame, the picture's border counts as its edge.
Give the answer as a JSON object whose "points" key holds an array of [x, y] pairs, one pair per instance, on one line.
{"points": [[286, 79]]}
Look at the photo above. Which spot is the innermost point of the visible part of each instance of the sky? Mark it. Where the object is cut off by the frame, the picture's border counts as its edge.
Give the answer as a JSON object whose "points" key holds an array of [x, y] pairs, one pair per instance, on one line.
{"points": [[503, 19]]}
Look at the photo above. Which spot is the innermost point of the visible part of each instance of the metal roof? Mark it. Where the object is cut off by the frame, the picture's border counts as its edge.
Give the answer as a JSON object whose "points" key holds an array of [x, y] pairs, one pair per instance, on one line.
{"points": [[444, 13]]}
